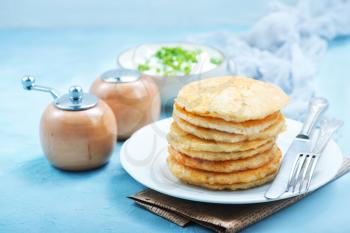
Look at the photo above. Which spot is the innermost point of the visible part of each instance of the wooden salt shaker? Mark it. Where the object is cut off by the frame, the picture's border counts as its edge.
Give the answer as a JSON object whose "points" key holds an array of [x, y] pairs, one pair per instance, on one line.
{"points": [[133, 98], [77, 131]]}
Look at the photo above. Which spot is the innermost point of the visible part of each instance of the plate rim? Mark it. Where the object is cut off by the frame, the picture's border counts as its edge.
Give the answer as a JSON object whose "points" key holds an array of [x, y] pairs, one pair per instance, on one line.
{"points": [[204, 200]]}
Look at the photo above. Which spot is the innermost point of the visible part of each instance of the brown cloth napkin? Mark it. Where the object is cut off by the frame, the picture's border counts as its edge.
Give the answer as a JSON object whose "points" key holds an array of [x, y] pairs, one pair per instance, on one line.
{"points": [[217, 217]]}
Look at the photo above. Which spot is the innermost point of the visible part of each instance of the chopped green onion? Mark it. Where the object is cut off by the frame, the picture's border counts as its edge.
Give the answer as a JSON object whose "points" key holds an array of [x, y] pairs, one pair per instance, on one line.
{"points": [[187, 70], [172, 60], [215, 61], [143, 67]]}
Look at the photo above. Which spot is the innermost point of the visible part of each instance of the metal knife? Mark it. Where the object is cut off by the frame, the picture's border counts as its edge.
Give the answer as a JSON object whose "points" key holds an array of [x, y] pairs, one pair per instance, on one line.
{"points": [[302, 142]]}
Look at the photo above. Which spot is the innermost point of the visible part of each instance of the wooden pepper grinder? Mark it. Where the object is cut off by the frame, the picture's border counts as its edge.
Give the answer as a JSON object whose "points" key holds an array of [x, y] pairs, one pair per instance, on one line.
{"points": [[133, 98], [77, 131]]}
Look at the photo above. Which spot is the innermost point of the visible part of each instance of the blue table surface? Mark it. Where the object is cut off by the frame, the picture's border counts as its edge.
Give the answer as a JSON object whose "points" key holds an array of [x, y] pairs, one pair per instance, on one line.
{"points": [[35, 197]]}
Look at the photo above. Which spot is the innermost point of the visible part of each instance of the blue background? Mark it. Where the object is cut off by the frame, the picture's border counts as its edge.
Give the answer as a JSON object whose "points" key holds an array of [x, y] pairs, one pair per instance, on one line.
{"points": [[69, 43]]}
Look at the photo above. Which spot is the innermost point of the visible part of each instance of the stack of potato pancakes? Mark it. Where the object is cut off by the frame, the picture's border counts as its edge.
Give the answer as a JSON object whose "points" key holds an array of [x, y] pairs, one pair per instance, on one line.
{"points": [[224, 133]]}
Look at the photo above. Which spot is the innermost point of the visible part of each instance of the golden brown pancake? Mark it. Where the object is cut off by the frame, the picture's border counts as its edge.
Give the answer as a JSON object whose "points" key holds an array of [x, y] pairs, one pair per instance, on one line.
{"points": [[225, 166], [250, 127], [196, 176], [237, 186], [224, 132], [232, 98], [191, 142], [222, 156], [220, 136]]}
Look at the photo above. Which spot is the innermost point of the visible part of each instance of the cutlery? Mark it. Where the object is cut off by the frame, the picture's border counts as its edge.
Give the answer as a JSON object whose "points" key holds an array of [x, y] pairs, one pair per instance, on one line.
{"points": [[302, 142], [305, 164]]}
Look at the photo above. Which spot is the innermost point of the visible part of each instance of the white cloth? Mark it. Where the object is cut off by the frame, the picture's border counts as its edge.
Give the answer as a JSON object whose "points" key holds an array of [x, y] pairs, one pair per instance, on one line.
{"points": [[285, 46]]}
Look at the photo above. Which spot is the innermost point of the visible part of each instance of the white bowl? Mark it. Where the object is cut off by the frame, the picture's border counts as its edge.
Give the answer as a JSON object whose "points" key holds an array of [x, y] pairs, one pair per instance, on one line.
{"points": [[169, 86]]}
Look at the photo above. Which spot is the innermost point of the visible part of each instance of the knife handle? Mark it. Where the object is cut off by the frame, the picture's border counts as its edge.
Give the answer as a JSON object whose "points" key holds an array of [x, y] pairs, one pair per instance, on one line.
{"points": [[327, 129], [316, 108]]}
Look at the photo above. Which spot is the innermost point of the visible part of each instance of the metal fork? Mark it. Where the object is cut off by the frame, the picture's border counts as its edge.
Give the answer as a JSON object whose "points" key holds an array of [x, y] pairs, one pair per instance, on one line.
{"points": [[305, 164]]}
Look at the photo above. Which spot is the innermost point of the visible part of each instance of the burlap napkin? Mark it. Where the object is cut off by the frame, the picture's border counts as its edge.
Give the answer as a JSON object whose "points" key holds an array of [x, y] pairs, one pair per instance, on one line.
{"points": [[220, 218]]}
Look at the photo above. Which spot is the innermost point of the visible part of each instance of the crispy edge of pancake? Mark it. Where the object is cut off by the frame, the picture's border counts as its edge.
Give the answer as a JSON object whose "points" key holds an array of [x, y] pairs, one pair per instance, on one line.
{"points": [[222, 156], [237, 186], [192, 142], [246, 127], [221, 136], [197, 176], [227, 166]]}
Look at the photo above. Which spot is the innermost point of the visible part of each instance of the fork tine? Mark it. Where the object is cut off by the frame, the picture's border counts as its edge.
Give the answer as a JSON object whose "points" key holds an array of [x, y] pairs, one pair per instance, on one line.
{"points": [[312, 170], [300, 170], [295, 172], [306, 171], [292, 173]]}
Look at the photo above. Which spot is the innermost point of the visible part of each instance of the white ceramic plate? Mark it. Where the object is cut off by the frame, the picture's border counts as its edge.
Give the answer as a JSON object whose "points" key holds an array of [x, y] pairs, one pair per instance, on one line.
{"points": [[144, 155]]}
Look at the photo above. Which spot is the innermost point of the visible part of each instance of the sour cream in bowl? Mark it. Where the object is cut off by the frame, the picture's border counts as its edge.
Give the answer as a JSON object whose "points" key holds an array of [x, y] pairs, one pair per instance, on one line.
{"points": [[172, 65]]}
